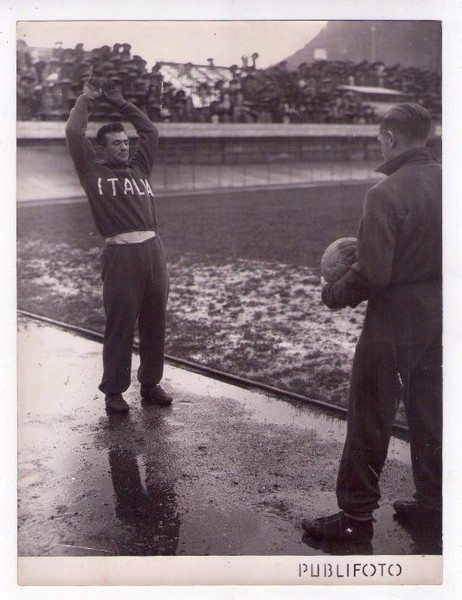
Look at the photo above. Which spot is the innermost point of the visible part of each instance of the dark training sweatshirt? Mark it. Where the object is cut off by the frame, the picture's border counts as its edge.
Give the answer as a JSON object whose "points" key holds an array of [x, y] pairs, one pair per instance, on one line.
{"points": [[120, 196]]}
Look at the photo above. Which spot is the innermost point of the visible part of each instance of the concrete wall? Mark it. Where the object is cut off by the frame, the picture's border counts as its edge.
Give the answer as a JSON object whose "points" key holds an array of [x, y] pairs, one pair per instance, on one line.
{"points": [[183, 143]]}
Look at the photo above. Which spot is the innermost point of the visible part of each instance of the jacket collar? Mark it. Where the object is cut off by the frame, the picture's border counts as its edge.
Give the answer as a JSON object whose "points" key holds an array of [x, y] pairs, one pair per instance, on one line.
{"points": [[412, 156]]}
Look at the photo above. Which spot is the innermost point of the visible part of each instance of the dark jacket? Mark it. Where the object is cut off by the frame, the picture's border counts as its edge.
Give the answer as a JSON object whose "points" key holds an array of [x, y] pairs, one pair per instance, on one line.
{"points": [[120, 196], [400, 233]]}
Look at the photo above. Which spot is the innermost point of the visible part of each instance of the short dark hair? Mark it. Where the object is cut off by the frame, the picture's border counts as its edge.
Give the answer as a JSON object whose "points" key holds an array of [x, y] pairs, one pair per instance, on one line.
{"points": [[110, 128], [409, 119]]}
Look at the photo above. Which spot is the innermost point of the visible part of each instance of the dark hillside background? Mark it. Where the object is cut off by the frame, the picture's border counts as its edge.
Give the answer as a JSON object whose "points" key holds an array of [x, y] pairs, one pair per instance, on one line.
{"points": [[408, 43]]}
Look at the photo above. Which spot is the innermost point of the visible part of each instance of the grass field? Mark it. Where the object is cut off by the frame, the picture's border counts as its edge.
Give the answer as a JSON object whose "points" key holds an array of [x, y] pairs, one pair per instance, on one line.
{"points": [[244, 267]]}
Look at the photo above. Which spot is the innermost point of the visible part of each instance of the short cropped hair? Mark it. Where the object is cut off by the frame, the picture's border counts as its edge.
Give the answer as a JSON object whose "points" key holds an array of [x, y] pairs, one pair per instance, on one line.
{"points": [[110, 128], [409, 119]]}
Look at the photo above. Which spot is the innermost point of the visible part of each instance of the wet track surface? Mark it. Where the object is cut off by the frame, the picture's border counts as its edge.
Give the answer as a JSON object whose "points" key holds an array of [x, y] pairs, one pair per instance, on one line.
{"points": [[223, 471]]}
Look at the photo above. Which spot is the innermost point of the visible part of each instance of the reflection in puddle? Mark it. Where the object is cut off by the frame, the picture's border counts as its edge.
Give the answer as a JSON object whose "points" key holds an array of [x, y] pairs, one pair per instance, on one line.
{"points": [[143, 482], [147, 506]]}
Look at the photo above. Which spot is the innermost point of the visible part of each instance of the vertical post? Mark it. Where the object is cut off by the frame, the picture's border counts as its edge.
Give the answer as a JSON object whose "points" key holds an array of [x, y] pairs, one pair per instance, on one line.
{"points": [[373, 48], [164, 163], [222, 163], [193, 172]]}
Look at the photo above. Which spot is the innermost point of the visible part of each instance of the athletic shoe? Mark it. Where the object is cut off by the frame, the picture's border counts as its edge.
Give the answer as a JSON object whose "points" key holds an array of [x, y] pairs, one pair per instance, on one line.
{"points": [[156, 395], [116, 403], [412, 511], [339, 528]]}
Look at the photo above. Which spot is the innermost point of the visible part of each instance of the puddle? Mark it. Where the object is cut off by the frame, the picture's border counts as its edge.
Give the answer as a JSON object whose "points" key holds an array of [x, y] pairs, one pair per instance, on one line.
{"points": [[113, 487], [261, 407], [273, 411]]}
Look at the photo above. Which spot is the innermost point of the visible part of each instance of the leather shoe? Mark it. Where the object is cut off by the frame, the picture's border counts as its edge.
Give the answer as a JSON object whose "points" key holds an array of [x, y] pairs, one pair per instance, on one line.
{"points": [[156, 395], [410, 510], [116, 403], [339, 528], [423, 524]]}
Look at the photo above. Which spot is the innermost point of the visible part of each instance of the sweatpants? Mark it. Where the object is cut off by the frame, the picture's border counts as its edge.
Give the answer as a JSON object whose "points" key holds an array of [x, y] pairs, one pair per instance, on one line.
{"points": [[135, 290], [398, 358]]}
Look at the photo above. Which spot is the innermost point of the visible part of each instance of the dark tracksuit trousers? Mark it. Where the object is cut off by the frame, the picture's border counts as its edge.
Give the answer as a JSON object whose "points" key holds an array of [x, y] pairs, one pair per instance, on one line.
{"points": [[135, 289], [398, 358]]}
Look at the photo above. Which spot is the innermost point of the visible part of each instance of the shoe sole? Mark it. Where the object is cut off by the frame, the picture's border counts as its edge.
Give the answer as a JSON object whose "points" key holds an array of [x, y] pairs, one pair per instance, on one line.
{"points": [[155, 401], [117, 410]]}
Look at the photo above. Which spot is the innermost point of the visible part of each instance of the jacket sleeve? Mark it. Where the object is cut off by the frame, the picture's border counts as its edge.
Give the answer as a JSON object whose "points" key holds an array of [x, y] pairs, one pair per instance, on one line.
{"points": [[80, 148], [349, 290], [146, 149], [375, 251]]}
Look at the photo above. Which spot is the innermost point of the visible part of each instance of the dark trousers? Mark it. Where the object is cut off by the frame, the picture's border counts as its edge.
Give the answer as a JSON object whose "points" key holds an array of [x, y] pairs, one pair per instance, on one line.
{"points": [[398, 358], [135, 289]]}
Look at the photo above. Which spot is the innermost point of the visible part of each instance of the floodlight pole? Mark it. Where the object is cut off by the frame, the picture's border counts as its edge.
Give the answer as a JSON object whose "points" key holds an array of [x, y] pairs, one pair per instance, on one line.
{"points": [[373, 52]]}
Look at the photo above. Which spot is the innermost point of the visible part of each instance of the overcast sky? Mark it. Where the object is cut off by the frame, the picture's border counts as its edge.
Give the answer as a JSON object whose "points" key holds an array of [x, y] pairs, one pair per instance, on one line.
{"points": [[176, 41]]}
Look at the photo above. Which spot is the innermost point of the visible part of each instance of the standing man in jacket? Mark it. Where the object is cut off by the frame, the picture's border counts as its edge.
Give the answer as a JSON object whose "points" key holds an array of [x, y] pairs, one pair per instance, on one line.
{"points": [[398, 357], [134, 273]]}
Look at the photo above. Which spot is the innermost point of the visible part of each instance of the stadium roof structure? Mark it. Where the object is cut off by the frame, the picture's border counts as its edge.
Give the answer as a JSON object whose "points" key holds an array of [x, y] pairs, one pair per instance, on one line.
{"points": [[189, 77], [379, 98], [362, 89]]}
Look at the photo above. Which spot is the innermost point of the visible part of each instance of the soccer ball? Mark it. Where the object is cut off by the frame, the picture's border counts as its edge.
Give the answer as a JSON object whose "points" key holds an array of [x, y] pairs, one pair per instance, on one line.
{"points": [[338, 258]]}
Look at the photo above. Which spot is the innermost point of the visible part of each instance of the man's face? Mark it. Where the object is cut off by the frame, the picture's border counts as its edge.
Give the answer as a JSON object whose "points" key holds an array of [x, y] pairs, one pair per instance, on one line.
{"points": [[385, 139], [116, 149]]}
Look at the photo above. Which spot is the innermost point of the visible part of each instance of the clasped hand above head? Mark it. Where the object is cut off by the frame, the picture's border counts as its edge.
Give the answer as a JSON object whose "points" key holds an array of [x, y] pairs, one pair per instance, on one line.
{"points": [[92, 88], [95, 87]]}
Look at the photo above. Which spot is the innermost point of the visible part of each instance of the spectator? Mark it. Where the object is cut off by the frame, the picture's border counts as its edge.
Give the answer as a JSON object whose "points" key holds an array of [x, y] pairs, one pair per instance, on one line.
{"points": [[308, 94]]}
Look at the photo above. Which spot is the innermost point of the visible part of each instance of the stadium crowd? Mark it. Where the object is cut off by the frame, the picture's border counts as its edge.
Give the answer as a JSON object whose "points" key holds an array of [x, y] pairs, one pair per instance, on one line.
{"points": [[48, 83]]}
